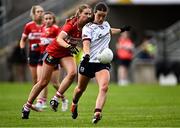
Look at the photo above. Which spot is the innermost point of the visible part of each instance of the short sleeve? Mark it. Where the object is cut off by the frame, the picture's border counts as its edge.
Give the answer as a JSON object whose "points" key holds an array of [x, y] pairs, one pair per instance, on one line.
{"points": [[67, 28], [86, 33], [26, 30], [108, 24]]}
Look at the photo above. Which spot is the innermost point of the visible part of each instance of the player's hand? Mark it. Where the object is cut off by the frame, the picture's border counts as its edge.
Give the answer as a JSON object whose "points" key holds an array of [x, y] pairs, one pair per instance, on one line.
{"points": [[34, 46], [125, 28], [85, 60], [23, 52], [72, 49]]}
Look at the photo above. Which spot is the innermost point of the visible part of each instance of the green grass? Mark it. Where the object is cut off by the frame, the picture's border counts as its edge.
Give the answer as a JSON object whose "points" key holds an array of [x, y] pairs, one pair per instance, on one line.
{"points": [[132, 106]]}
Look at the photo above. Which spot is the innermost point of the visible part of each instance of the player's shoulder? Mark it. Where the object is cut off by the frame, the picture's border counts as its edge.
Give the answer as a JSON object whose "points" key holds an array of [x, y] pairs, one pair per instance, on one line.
{"points": [[105, 23], [90, 25], [72, 21], [30, 23], [55, 26]]}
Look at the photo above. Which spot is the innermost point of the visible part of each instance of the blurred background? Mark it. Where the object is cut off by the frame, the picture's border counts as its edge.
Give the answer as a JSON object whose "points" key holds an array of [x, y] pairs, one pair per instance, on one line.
{"points": [[155, 34]]}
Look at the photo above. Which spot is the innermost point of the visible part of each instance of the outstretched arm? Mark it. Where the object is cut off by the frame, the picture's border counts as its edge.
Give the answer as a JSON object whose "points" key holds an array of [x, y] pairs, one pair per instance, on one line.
{"points": [[119, 30], [115, 30]]}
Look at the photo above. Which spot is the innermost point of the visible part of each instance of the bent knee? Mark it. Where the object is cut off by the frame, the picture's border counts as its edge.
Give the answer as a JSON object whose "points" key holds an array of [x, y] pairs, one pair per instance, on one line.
{"points": [[104, 88], [80, 90], [72, 75], [43, 83]]}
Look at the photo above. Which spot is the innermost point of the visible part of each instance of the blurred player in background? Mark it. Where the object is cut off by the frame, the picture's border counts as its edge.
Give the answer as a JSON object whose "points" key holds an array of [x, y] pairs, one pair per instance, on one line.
{"points": [[60, 51], [96, 36], [49, 32], [125, 53], [32, 33]]}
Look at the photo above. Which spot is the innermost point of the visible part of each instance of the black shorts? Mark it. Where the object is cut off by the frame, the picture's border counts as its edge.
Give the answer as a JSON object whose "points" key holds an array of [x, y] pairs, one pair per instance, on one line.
{"points": [[124, 62], [33, 58], [50, 60], [42, 58], [40, 61], [92, 68]]}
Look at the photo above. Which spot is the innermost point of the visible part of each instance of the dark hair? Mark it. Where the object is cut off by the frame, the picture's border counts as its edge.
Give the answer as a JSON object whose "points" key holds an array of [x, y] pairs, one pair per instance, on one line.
{"points": [[101, 6], [52, 14]]}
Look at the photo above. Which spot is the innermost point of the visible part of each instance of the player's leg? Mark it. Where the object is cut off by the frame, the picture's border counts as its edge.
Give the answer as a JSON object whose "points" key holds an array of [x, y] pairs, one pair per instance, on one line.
{"points": [[69, 64], [56, 82], [102, 77], [55, 79], [78, 91], [33, 60], [33, 70], [37, 88], [42, 97], [123, 72]]}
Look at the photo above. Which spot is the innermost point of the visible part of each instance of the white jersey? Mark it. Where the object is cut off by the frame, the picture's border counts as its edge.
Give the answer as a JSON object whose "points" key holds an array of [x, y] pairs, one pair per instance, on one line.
{"points": [[99, 36]]}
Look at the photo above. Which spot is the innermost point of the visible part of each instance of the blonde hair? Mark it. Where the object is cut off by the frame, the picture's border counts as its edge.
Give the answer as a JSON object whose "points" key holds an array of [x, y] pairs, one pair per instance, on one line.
{"points": [[81, 8], [33, 10]]}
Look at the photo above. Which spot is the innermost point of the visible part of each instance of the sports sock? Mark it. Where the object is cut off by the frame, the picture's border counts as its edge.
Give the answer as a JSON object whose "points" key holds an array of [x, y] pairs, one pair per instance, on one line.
{"points": [[75, 101], [97, 110], [27, 106], [41, 100], [58, 95]]}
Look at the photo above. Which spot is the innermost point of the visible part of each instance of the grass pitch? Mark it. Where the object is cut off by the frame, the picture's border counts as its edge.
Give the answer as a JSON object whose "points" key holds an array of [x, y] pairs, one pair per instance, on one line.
{"points": [[131, 106]]}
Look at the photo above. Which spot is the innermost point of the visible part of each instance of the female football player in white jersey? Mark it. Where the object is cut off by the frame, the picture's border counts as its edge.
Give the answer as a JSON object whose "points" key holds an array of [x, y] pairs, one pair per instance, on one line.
{"points": [[96, 36]]}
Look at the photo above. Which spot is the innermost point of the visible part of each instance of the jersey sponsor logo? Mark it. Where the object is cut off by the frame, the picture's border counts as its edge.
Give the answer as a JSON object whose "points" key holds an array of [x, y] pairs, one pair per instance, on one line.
{"points": [[101, 35], [101, 27], [74, 41], [33, 36], [46, 41]]}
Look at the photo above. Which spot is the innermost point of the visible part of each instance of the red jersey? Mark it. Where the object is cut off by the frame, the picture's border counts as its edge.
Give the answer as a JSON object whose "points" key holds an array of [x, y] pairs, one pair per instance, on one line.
{"points": [[73, 38], [126, 48], [33, 32], [48, 35]]}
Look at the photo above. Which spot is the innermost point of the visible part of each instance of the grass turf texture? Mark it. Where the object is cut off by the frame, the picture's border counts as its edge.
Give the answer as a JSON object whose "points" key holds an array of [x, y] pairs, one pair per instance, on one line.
{"points": [[131, 106]]}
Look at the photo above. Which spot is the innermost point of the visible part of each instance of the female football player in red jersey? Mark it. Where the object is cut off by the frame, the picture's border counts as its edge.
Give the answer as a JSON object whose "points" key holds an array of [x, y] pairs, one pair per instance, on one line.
{"points": [[32, 33], [60, 51], [49, 32]]}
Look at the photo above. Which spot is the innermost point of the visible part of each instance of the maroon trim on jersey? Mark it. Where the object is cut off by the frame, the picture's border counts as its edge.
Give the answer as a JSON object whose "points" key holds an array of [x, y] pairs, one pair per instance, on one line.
{"points": [[87, 39]]}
